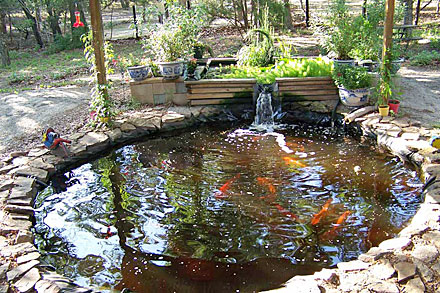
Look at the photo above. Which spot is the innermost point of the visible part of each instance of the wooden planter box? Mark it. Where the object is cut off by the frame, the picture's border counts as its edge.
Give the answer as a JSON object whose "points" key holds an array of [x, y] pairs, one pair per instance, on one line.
{"points": [[220, 91], [307, 89], [228, 91]]}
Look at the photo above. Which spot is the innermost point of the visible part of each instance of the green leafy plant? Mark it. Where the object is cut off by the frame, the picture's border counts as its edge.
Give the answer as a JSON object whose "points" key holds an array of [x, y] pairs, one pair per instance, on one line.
{"points": [[341, 31], [368, 40], [175, 38], [299, 67], [351, 77], [101, 106], [425, 58]]}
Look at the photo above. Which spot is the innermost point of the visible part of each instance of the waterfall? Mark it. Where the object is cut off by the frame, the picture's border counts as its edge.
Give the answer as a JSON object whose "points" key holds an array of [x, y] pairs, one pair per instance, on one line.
{"points": [[264, 111], [264, 104]]}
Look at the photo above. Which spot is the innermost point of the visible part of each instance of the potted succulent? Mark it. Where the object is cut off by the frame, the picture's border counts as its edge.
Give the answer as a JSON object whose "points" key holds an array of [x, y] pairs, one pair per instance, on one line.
{"points": [[353, 83], [173, 41]]}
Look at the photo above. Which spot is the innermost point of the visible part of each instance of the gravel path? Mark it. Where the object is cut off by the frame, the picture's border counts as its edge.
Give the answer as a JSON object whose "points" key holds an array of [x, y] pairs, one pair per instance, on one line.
{"points": [[26, 114]]}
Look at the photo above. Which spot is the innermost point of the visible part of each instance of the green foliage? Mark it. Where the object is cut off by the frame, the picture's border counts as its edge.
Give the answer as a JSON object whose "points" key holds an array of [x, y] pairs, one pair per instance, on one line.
{"points": [[367, 38], [232, 10], [101, 107], [341, 31], [37, 68], [175, 39], [351, 77], [301, 67], [260, 51], [62, 43], [425, 58]]}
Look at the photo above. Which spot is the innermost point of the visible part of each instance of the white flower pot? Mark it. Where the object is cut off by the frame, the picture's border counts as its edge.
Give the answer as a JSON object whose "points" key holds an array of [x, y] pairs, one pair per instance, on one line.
{"points": [[171, 70], [138, 73], [354, 98]]}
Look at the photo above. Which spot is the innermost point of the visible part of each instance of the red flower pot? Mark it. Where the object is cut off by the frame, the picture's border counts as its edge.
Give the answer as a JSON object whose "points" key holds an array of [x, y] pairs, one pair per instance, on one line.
{"points": [[394, 105]]}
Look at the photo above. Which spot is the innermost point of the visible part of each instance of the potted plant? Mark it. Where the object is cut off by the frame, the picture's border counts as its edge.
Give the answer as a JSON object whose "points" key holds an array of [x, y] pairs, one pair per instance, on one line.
{"points": [[339, 39], [200, 49], [353, 83], [136, 67], [173, 41], [368, 43]]}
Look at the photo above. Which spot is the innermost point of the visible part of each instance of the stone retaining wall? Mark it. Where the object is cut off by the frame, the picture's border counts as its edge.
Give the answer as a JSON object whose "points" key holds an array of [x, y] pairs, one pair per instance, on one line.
{"points": [[408, 263]]}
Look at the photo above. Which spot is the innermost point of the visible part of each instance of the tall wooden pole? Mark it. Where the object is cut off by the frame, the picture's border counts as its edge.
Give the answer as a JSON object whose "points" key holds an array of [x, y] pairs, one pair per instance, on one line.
{"points": [[307, 14], [98, 42], [387, 43]]}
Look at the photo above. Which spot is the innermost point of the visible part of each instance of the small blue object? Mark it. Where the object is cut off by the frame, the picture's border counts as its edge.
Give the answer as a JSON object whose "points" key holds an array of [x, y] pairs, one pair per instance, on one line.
{"points": [[435, 142]]}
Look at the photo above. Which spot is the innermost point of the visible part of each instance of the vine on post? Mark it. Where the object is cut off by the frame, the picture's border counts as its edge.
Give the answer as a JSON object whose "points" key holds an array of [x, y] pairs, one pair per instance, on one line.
{"points": [[101, 107]]}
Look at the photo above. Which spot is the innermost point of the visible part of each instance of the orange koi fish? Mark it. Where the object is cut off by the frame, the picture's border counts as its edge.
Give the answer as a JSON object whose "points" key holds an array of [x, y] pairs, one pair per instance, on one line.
{"points": [[286, 212], [342, 218], [256, 138], [317, 217], [295, 146], [334, 231], [222, 190], [269, 185], [293, 163]]}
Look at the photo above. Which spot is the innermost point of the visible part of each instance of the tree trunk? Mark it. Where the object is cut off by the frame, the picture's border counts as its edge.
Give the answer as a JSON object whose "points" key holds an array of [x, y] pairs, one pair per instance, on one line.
{"points": [[4, 52], [288, 19], [54, 22], [245, 14], [254, 11], [29, 16], [417, 11], [307, 14], [408, 16], [125, 4], [3, 29], [364, 8]]}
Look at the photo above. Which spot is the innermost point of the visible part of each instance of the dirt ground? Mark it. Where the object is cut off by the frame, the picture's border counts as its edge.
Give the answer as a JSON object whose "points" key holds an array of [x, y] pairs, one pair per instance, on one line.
{"points": [[420, 97]]}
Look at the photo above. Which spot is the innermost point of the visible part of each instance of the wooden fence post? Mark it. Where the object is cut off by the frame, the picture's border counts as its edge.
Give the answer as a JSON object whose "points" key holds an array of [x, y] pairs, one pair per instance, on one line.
{"points": [[98, 43]]}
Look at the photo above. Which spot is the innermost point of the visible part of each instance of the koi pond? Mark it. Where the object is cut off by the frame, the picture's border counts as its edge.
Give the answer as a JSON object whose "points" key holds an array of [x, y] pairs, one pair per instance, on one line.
{"points": [[222, 210]]}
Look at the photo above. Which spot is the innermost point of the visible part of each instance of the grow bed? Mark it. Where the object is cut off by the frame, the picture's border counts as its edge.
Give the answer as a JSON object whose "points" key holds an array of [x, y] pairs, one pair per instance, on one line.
{"points": [[228, 91]]}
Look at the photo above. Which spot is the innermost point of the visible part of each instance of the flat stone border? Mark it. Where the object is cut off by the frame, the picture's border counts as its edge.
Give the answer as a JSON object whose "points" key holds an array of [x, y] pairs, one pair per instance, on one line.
{"points": [[408, 263]]}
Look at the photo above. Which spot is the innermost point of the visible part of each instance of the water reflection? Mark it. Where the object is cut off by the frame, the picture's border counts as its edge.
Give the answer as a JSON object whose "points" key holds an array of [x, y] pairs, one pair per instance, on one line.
{"points": [[223, 209]]}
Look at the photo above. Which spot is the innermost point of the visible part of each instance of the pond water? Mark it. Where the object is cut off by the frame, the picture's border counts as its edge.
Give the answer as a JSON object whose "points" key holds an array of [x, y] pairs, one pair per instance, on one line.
{"points": [[222, 209]]}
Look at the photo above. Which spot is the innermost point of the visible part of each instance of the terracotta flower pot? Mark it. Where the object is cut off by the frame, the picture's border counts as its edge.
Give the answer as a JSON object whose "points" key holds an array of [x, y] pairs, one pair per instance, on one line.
{"points": [[384, 110], [394, 105]]}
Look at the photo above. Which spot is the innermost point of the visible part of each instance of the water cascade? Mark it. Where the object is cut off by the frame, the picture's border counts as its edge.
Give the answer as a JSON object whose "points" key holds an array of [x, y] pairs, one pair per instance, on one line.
{"points": [[264, 107]]}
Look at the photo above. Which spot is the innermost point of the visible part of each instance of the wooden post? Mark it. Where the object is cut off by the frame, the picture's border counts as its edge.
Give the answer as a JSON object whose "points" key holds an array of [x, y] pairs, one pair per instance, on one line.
{"points": [[98, 43], [387, 42], [135, 22], [307, 14]]}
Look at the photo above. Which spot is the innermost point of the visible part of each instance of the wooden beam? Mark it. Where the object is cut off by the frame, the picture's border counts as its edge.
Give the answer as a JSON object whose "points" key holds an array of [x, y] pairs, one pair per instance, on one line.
{"points": [[98, 42], [220, 101], [387, 43], [223, 81], [293, 98], [219, 95], [307, 87], [388, 30], [220, 90]]}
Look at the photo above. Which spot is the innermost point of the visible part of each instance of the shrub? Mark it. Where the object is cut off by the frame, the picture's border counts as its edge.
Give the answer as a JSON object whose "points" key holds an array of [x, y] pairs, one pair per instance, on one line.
{"points": [[425, 58], [351, 77]]}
